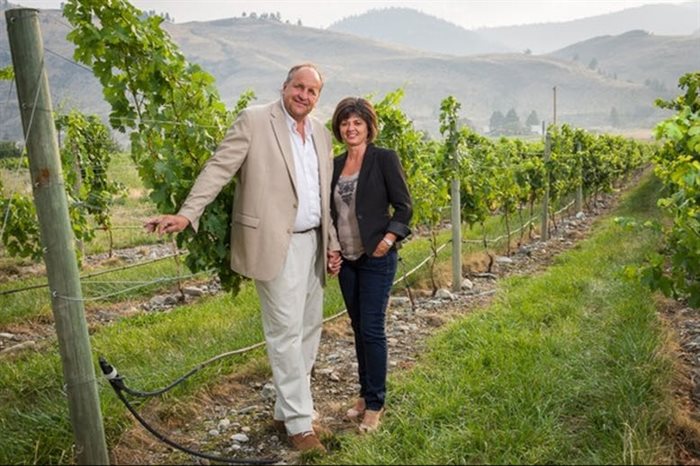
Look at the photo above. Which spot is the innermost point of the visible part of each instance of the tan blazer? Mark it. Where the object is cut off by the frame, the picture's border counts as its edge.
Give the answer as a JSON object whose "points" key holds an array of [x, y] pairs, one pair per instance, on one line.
{"points": [[257, 150]]}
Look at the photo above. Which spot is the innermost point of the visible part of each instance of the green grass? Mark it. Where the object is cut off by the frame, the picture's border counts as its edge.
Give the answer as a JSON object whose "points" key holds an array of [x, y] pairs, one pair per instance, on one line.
{"points": [[563, 368]]}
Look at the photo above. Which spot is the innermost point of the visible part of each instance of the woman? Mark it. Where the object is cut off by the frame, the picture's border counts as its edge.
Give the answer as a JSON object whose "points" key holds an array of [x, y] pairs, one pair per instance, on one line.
{"points": [[367, 181]]}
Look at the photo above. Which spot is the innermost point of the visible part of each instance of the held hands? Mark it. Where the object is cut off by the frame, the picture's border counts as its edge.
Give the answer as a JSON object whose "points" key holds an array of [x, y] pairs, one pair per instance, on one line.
{"points": [[166, 224], [334, 261]]}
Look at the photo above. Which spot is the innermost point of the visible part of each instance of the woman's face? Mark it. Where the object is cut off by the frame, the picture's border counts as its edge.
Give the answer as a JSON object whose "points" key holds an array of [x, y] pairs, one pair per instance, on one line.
{"points": [[353, 130]]}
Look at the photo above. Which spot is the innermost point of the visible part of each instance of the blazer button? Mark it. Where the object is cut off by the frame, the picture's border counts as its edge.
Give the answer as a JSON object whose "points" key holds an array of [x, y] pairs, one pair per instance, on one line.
{"points": [[359, 217]]}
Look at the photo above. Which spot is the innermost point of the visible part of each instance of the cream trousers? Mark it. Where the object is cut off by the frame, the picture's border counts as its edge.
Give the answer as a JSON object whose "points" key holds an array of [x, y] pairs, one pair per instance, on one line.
{"points": [[292, 316]]}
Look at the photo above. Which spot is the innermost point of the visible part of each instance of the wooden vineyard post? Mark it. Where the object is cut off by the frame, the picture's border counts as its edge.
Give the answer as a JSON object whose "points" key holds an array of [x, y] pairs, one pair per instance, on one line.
{"points": [[544, 233], [456, 227], [579, 187], [56, 235]]}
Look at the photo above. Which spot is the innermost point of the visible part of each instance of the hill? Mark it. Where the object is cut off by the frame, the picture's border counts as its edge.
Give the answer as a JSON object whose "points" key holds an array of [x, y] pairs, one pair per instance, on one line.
{"points": [[661, 19], [71, 86], [245, 53], [636, 56], [420, 31], [416, 30]]}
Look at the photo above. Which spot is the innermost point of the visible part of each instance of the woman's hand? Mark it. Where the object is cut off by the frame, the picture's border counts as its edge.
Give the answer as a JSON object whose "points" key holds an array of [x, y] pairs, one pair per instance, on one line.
{"points": [[384, 245], [334, 261]]}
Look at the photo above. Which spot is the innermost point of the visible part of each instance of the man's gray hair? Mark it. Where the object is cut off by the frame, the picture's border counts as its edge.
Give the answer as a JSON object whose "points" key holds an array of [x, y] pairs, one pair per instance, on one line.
{"points": [[296, 68]]}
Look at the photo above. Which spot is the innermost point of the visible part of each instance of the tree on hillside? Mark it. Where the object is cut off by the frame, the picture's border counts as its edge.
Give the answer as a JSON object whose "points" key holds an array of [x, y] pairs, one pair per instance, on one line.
{"points": [[496, 122], [511, 123], [149, 13], [593, 64], [532, 120]]}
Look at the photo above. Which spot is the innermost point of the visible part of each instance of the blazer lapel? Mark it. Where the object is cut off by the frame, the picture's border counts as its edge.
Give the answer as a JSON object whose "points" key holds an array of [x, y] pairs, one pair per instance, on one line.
{"points": [[338, 164], [322, 152], [366, 168], [281, 131]]}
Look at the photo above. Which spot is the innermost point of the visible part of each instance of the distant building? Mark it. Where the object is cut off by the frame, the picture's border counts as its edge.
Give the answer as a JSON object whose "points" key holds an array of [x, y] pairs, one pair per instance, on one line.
{"points": [[536, 129]]}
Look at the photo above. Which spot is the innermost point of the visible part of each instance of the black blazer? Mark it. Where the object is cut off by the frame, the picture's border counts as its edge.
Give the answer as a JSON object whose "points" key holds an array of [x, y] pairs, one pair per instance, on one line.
{"points": [[381, 184]]}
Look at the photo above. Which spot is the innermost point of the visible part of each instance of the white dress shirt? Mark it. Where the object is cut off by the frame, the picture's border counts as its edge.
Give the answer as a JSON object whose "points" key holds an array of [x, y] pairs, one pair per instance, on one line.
{"points": [[306, 170]]}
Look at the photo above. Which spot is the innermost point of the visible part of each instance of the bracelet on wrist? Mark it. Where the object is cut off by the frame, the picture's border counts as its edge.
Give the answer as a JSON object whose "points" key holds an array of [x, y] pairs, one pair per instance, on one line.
{"points": [[389, 242]]}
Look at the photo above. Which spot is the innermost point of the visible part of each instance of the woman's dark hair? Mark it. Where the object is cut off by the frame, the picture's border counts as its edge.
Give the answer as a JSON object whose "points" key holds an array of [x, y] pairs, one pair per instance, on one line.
{"points": [[355, 106]]}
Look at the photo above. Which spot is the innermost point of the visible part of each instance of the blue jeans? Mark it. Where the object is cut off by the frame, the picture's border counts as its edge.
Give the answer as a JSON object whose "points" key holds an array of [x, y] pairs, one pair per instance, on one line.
{"points": [[366, 284]]}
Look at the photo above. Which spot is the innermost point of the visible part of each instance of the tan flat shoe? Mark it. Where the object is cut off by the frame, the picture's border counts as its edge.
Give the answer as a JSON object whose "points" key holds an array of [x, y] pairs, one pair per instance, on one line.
{"points": [[371, 421], [356, 411]]}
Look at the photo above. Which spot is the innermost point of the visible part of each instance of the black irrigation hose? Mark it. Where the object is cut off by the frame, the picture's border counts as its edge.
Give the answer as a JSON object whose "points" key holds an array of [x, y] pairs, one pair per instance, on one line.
{"points": [[117, 383], [111, 374]]}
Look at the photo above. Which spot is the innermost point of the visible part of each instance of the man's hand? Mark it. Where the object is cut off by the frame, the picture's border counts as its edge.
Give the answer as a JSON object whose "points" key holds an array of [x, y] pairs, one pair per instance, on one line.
{"points": [[334, 261], [166, 224]]}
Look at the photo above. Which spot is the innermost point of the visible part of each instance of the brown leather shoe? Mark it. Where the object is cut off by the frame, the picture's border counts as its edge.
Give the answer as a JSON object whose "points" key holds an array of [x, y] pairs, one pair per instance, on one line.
{"points": [[319, 429], [307, 441]]}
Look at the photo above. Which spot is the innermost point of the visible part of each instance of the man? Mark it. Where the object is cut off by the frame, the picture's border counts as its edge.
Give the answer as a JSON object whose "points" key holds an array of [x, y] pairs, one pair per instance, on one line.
{"points": [[281, 231]]}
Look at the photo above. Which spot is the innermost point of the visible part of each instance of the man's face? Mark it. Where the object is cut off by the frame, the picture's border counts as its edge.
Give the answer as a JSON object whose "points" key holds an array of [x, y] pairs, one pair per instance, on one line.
{"points": [[301, 93]]}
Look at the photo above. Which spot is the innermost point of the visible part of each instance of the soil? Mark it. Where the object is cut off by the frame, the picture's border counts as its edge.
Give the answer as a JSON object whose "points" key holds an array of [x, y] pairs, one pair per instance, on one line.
{"points": [[233, 418]]}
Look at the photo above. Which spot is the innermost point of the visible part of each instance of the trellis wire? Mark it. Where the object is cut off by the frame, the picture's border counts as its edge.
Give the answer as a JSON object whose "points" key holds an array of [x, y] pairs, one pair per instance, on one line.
{"points": [[95, 274], [131, 288]]}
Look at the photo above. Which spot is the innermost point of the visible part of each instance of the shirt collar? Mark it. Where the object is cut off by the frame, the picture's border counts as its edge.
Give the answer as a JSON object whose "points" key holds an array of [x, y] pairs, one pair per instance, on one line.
{"points": [[291, 122]]}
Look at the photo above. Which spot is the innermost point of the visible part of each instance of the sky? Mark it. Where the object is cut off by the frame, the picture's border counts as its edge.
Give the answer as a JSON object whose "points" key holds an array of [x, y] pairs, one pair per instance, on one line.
{"points": [[470, 14]]}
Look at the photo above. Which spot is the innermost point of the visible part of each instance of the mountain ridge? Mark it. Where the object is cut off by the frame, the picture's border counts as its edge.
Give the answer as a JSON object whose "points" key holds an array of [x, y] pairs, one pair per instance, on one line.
{"points": [[546, 37], [246, 53], [417, 30]]}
